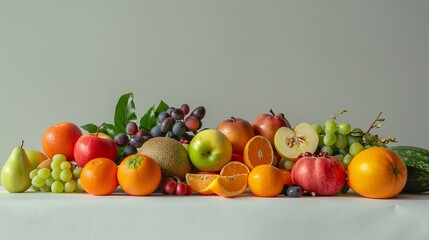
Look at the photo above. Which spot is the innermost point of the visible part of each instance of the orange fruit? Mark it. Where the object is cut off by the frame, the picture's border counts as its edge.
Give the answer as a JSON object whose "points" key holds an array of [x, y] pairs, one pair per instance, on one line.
{"points": [[233, 168], [266, 181], [258, 151], [200, 183], [60, 138], [287, 177], [99, 176], [377, 172], [139, 175], [229, 186]]}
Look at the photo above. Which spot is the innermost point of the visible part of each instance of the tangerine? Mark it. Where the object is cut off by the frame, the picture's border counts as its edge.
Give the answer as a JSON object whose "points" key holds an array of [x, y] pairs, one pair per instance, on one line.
{"points": [[200, 183], [139, 175], [233, 168], [258, 151], [61, 138], [229, 186], [266, 181], [377, 172], [99, 176]]}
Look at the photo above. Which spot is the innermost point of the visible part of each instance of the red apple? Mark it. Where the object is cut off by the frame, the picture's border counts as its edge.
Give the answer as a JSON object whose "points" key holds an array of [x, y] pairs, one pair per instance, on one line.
{"points": [[90, 146], [237, 157], [238, 131], [267, 124], [324, 176]]}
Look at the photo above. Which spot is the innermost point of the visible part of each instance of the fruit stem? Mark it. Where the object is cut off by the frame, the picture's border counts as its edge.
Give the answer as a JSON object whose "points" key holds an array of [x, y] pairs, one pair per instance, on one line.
{"points": [[22, 143], [233, 119], [373, 123], [98, 129], [272, 112]]}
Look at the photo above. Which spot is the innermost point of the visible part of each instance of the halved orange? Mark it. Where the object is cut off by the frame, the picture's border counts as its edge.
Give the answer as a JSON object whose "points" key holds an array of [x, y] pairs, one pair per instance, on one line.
{"points": [[258, 151], [233, 168], [229, 186], [200, 182]]}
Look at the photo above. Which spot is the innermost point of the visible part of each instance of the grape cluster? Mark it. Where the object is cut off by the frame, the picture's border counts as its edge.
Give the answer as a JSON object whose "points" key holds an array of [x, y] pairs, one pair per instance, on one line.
{"points": [[343, 142], [173, 187], [64, 177], [178, 124], [132, 139]]}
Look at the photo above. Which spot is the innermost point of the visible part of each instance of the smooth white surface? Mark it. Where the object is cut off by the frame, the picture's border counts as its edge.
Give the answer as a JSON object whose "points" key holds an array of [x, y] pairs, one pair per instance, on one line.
{"points": [[71, 60], [33, 215]]}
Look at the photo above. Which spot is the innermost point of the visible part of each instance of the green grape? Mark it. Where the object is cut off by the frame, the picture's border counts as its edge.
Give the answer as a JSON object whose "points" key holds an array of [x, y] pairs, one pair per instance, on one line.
{"points": [[70, 186], [344, 128], [66, 175], [57, 160], [59, 157], [343, 151], [347, 159], [77, 171], [330, 126], [49, 181], [328, 150], [356, 132], [45, 188], [355, 148], [341, 142], [329, 139], [339, 157], [79, 187], [57, 187], [34, 173], [56, 174], [37, 181], [44, 173], [65, 165], [288, 164], [351, 140], [317, 127], [321, 144], [34, 188]]}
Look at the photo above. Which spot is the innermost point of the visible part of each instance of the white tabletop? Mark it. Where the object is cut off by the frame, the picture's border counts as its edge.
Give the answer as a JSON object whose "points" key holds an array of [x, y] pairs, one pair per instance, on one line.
{"points": [[36, 215]]}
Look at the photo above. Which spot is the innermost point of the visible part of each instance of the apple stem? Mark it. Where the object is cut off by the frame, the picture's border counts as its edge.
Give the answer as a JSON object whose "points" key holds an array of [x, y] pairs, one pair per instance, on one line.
{"points": [[22, 143], [98, 129], [233, 119], [272, 112]]}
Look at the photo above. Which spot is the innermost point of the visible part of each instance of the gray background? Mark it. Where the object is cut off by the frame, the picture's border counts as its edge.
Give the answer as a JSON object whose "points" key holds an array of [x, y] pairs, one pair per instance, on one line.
{"points": [[72, 60]]}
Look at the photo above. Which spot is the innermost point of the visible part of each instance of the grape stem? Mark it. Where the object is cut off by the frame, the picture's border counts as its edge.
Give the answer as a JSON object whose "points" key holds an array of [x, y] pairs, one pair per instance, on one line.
{"points": [[374, 122]]}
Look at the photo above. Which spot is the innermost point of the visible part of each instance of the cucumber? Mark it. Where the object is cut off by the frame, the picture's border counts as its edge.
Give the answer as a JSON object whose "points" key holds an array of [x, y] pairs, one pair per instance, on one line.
{"points": [[417, 161], [417, 181]]}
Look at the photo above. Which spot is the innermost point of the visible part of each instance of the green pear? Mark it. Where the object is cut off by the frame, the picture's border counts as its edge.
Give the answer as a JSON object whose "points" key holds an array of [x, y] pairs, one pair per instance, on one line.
{"points": [[15, 172]]}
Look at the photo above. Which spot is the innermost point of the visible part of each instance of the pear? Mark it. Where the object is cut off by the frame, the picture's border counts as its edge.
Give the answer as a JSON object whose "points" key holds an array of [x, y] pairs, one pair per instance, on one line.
{"points": [[15, 172]]}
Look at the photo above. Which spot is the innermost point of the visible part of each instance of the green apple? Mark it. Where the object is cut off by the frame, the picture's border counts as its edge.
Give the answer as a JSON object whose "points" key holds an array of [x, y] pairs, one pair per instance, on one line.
{"points": [[210, 150]]}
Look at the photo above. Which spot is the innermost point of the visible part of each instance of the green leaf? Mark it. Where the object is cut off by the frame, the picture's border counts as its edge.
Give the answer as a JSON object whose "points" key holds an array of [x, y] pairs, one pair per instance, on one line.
{"points": [[90, 127], [149, 119], [162, 106], [124, 112], [108, 129]]}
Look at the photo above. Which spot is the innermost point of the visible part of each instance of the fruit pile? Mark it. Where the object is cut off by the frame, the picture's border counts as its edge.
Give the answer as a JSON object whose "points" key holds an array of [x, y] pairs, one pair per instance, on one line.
{"points": [[167, 151]]}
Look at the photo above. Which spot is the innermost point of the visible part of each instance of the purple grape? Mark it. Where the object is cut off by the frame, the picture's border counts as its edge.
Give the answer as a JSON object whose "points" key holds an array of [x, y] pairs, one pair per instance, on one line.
{"points": [[177, 114], [121, 140], [179, 129], [132, 128], [162, 116], [185, 108], [199, 112], [129, 150], [137, 141], [167, 124]]}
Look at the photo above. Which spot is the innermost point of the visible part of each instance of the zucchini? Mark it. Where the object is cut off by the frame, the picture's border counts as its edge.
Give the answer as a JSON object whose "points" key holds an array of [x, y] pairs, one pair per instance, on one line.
{"points": [[417, 161]]}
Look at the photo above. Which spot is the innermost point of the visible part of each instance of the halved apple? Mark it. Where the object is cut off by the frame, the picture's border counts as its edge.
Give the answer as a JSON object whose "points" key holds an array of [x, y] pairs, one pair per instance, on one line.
{"points": [[290, 143]]}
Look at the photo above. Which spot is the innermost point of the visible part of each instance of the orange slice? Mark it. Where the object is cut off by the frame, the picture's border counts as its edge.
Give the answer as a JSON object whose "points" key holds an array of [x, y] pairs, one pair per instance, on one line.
{"points": [[200, 182], [258, 151], [233, 168], [229, 186]]}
